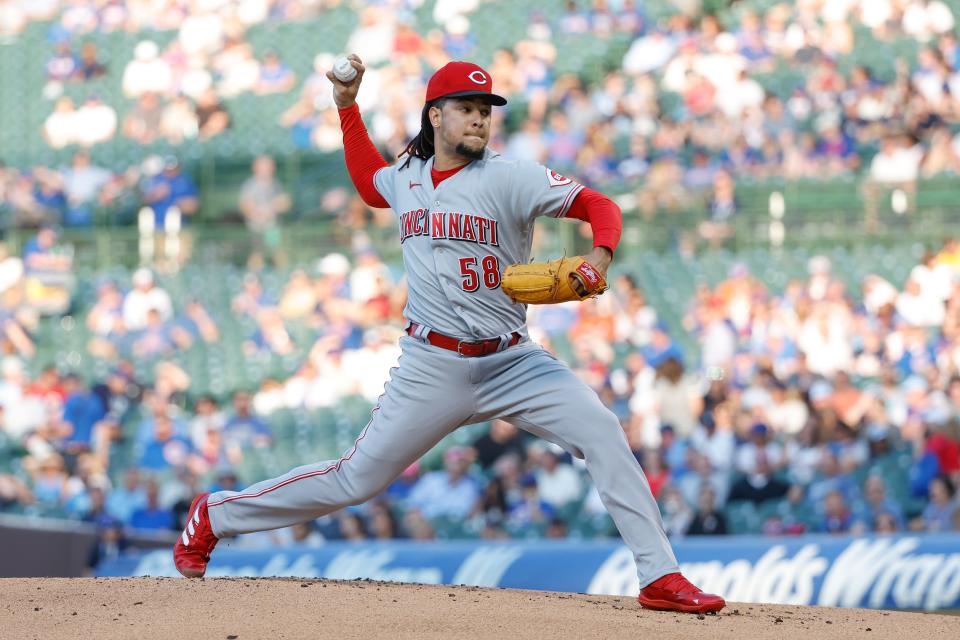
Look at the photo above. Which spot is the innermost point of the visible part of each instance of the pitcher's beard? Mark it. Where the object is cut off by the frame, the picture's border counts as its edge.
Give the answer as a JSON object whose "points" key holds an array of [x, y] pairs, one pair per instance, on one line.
{"points": [[469, 152]]}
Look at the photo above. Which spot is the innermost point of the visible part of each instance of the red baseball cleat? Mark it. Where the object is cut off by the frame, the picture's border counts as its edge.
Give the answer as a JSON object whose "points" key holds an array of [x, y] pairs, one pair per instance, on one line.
{"points": [[673, 592], [192, 551]]}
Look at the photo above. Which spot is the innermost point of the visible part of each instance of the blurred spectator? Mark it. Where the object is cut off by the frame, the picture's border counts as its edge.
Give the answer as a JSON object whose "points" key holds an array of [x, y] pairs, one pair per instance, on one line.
{"points": [[145, 296], [383, 522], [760, 485], [178, 121], [922, 19], [885, 523], [147, 72], [558, 483], [646, 54], [492, 504], [708, 520], [206, 430], [299, 298], [532, 509], [171, 188], [417, 526], [48, 269], [352, 527], [304, 534], [662, 348], [22, 414], [152, 515], [759, 447], [142, 123], [896, 166], [62, 66], [714, 437], [45, 203], [837, 516], [60, 127], [164, 450], [938, 515], [128, 498], [111, 540], [238, 68], [831, 477], [878, 507], [656, 472], [244, 429], [48, 481], [275, 77], [317, 90], [13, 18], [302, 118], [400, 489], [557, 529], [262, 202], [450, 492], [95, 122], [252, 299], [721, 207], [195, 324], [212, 117], [82, 184], [372, 40], [13, 492], [677, 398], [677, 514], [105, 320], [155, 338], [701, 474], [501, 439], [90, 67], [82, 409]]}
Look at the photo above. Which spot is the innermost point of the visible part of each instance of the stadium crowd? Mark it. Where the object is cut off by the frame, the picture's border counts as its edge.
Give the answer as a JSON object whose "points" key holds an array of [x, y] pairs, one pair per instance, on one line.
{"points": [[810, 409], [752, 90]]}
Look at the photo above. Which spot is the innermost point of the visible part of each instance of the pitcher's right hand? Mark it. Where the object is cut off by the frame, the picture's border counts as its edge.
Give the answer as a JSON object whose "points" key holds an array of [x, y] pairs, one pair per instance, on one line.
{"points": [[345, 93]]}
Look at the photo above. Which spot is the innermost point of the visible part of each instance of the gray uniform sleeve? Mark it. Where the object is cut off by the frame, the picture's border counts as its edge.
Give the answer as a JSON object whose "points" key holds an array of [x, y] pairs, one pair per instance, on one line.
{"points": [[539, 191], [385, 180]]}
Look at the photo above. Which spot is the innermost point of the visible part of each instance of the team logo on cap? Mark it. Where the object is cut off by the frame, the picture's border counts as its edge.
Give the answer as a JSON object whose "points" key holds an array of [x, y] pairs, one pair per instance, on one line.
{"points": [[477, 77]]}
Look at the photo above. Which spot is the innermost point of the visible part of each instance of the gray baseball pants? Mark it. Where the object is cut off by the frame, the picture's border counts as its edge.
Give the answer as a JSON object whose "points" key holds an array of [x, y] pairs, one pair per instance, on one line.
{"points": [[431, 393]]}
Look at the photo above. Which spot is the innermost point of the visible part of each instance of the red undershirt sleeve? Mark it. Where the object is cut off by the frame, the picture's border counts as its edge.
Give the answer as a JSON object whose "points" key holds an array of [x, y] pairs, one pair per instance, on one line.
{"points": [[602, 213], [363, 159]]}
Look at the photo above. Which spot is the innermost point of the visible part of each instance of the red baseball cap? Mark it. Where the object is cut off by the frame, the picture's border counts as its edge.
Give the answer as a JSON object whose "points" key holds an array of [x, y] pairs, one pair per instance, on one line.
{"points": [[461, 79]]}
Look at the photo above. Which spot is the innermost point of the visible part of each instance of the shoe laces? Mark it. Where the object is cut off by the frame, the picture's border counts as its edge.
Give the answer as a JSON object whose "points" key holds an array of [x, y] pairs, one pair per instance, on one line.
{"points": [[676, 583]]}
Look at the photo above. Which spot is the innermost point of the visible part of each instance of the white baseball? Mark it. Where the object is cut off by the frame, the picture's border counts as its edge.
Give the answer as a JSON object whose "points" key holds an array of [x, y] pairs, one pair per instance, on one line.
{"points": [[343, 70]]}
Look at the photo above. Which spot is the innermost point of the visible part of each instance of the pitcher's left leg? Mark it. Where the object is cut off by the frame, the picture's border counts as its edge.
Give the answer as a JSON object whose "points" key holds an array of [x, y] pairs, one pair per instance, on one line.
{"points": [[541, 395]]}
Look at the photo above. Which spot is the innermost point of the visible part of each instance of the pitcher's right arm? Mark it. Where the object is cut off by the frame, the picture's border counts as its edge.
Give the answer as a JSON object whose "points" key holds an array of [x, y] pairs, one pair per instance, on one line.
{"points": [[362, 158]]}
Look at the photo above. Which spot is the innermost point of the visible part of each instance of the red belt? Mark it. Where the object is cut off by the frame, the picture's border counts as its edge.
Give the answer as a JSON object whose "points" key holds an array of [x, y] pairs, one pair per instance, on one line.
{"points": [[465, 349]]}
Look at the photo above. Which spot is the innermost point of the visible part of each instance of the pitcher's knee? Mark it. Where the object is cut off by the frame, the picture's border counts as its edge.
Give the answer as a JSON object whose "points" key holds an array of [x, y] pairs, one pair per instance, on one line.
{"points": [[606, 435]]}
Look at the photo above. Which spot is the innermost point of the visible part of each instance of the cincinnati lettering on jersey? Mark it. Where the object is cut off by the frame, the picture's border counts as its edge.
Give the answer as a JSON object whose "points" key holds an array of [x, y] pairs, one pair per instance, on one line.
{"points": [[465, 227]]}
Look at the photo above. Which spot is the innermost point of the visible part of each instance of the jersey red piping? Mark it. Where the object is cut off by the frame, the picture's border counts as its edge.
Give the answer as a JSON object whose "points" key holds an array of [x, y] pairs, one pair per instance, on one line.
{"points": [[566, 201]]}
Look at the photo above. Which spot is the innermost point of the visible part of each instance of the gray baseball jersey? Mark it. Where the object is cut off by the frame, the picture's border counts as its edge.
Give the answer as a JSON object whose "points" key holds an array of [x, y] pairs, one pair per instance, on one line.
{"points": [[457, 239]]}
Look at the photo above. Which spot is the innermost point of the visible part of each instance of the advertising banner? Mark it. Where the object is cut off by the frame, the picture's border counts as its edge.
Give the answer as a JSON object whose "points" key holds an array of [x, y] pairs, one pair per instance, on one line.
{"points": [[907, 572]]}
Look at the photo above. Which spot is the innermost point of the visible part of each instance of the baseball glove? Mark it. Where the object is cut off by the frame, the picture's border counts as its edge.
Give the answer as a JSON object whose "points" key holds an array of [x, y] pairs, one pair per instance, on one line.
{"points": [[551, 282]]}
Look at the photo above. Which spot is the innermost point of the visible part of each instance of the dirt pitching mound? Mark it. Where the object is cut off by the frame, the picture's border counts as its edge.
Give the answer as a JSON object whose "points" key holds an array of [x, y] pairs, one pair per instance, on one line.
{"points": [[245, 608]]}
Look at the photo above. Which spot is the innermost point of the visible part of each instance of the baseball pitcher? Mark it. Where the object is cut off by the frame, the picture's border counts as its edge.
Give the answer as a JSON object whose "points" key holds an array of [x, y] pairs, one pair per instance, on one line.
{"points": [[466, 218]]}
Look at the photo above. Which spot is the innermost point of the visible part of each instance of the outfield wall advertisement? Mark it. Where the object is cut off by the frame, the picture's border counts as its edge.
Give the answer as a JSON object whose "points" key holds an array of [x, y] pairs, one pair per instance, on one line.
{"points": [[905, 572]]}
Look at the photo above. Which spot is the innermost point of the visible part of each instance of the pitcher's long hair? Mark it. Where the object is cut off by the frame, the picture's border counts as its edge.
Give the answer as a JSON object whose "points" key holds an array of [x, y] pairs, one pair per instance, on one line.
{"points": [[422, 144]]}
